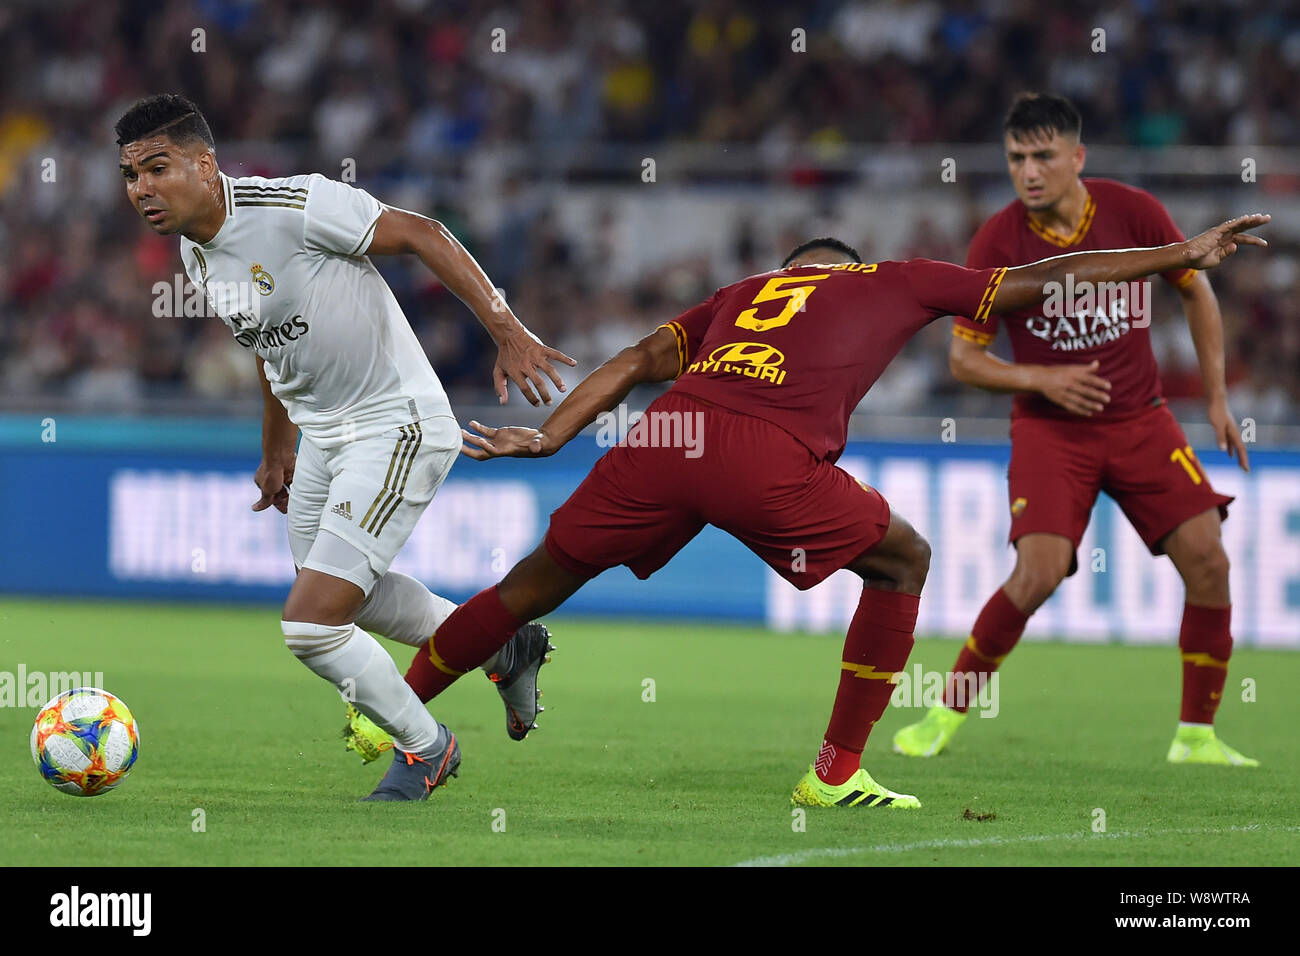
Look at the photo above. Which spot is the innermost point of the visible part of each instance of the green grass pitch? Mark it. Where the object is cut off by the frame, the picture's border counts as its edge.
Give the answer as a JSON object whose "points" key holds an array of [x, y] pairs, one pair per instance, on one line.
{"points": [[233, 726]]}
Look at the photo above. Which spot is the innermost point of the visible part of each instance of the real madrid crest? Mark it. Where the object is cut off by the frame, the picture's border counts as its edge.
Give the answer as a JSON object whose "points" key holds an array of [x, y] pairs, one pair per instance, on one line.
{"points": [[262, 280]]}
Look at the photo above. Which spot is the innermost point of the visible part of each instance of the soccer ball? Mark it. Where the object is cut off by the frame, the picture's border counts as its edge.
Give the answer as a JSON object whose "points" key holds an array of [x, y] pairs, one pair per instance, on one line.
{"points": [[85, 741]]}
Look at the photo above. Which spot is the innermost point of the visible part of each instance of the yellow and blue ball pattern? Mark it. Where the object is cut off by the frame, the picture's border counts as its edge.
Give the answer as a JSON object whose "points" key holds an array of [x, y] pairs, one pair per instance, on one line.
{"points": [[85, 741]]}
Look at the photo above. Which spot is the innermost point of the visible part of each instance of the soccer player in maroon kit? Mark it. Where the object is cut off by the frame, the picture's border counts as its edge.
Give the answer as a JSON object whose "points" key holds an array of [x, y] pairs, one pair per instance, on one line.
{"points": [[1088, 417], [770, 369]]}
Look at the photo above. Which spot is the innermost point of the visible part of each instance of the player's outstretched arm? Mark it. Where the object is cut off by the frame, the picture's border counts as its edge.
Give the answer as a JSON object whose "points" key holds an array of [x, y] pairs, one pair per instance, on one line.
{"points": [[654, 359], [279, 450], [1030, 284], [521, 356], [1205, 322]]}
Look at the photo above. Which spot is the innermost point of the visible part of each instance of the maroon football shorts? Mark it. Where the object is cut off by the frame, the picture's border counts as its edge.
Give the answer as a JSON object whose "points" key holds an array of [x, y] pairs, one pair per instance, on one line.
{"points": [[1144, 462], [650, 495]]}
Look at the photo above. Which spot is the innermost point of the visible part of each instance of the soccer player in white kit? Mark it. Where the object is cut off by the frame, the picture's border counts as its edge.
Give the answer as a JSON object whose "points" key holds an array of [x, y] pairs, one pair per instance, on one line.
{"points": [[284, 263]]}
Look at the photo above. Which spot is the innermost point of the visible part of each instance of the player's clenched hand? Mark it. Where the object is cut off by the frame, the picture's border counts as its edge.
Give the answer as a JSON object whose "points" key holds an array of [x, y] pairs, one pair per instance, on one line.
{"points": [[1214, 245], [511, 441], [1076, 388], [273, 478], [519, 357], [1226, 434]]}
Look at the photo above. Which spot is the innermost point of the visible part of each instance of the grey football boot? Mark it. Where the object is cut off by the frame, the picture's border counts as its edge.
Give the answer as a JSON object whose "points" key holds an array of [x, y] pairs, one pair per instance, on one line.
{"points": [[410, 777], [515, 676]]}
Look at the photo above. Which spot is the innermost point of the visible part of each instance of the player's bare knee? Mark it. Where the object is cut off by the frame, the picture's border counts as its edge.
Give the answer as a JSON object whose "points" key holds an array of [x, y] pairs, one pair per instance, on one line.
{"points": [[1205, 572], [1215, 567], [1032, 584], [913, 565], [906, 566], [306, 611], [333, 583], [536, 585], [311, 602], [1042, 586], [516, 589]]}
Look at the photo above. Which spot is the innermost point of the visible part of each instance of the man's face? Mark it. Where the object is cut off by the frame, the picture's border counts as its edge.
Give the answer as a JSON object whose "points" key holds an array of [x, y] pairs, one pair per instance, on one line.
{"points": [[166, 183], [1043, 167]]}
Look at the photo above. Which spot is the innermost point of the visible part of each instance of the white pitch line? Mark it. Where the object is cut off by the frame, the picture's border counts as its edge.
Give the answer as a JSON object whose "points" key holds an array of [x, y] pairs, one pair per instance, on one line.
{"points": [[787, 859]]}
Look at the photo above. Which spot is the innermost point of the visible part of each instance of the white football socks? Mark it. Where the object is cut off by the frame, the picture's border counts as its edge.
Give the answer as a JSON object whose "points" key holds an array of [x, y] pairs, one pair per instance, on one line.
{"points": [[402, 609], [353, 661]]}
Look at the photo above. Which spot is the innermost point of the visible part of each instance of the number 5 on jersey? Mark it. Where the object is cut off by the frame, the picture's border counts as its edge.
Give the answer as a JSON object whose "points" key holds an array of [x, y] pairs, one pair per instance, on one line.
{"points": [[774, 291]]}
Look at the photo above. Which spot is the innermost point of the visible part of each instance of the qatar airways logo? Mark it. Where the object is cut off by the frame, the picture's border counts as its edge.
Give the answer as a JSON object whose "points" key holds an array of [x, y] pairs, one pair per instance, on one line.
{"points": [[1083, 315]]}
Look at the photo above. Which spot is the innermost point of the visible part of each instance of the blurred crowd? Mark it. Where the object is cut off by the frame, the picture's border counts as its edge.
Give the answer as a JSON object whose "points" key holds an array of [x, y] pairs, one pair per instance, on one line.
{"points": [[394, 82]]}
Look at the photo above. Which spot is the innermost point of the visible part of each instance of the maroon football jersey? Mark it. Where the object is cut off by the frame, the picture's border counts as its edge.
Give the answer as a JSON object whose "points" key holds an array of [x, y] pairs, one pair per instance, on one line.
{"points": [[1081, 324], [799, 347]]}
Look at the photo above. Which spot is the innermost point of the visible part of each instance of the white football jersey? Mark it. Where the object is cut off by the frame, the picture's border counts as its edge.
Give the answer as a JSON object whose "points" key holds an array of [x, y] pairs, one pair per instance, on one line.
{"points": [[287, 271]]}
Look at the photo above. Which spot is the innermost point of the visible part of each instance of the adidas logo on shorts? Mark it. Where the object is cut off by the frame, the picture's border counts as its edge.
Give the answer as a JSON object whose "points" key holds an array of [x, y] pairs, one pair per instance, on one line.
{"points": [[343, 509]]}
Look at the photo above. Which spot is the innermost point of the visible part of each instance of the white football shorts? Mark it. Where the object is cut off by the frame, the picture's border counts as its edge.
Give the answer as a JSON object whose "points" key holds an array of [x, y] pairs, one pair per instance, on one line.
{"points": [[369, 494]]}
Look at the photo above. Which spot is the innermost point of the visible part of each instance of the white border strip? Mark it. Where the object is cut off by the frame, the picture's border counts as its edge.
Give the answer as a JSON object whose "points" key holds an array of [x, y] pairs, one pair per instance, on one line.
{"points": [[791, 859]]}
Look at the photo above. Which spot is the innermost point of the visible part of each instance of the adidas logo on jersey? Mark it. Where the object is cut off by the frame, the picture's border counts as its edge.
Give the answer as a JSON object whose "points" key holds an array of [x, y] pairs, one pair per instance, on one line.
{"points": [[343, 509]]}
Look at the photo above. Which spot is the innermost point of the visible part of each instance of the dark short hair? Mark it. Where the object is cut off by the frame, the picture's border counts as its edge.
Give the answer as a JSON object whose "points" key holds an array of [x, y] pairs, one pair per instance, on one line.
{"points": [[825, 242], [166, 113], [1041, 114]]}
